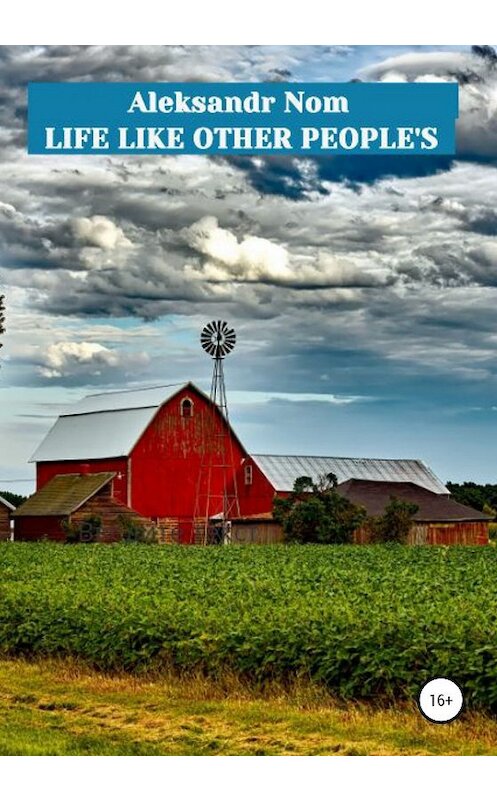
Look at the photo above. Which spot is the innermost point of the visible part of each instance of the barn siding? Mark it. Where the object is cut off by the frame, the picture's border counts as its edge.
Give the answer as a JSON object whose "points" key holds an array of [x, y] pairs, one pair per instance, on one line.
{"points": [[166, 461], [4, 522], [46, 470], [263, 532], [256, 498], [30, 529], [104, 506], [439, 533], [459, 533]]}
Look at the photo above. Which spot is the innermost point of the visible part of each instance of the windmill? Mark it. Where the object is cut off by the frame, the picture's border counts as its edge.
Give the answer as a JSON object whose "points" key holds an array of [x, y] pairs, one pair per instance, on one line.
{"points": [[217, 495]]}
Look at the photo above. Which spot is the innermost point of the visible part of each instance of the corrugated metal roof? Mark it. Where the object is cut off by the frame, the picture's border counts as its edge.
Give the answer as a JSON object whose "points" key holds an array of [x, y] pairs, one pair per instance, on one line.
{"points": [[63, 494], [6, 503], [282, 471], [103, 425], [116, 401], [98, 435]]}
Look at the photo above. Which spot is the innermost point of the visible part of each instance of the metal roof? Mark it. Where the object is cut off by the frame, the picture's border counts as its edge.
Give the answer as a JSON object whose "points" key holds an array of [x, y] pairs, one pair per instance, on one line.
{"points": [[117, 401], [6, 503], [374, 496], [99, 435], [282, 471], [103, 425], [63, 494]]}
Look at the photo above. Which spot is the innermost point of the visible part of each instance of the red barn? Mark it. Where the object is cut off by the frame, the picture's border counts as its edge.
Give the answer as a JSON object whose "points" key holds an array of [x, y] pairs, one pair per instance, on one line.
{"points": [[146, 449], [152, 440]]}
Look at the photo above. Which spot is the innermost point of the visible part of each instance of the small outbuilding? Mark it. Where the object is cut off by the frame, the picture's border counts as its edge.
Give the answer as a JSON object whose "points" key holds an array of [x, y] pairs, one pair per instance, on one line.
{"points": [[439, 518], [6, 511], [73, 498]]}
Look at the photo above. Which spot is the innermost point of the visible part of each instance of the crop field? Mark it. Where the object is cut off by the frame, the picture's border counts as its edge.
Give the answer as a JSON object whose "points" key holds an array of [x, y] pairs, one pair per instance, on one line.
{"points": [[361, 622]]}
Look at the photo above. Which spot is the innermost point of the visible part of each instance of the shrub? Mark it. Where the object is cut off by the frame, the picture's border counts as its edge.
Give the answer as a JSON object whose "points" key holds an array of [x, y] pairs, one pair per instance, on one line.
{"points": [[132, 530], [87, 531], [316, 512], [394, 524]]}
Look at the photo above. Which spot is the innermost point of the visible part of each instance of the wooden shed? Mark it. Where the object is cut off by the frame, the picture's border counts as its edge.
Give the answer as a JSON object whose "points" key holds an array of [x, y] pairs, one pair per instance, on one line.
{"points": [[6, 511], [257, 529], [438, 520], [72, 498]]}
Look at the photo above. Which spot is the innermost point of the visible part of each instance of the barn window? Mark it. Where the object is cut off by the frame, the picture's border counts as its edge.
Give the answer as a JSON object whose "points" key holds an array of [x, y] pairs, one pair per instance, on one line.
{"points": [[248, 475], [186, 407]]}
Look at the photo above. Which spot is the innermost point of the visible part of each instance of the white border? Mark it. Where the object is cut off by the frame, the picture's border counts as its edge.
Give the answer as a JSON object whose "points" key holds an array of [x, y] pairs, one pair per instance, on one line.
{"points": [[254, 22], [248, 778]]}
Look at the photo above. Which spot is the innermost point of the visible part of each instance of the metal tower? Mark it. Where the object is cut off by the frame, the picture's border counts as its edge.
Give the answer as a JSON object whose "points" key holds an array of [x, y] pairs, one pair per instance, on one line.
{"points": [[217, 494]]}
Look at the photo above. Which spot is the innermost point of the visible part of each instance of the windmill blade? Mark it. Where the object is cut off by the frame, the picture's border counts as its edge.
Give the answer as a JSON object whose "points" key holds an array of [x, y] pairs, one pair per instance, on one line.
{"points": [[218, 339]]}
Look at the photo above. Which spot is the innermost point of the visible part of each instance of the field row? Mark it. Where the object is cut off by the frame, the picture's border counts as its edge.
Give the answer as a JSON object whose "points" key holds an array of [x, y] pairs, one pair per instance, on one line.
{"points": [[365, 622]]}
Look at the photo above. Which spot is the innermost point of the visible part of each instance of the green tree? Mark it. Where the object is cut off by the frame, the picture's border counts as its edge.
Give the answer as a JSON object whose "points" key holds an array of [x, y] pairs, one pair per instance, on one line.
{"points": [[316, 512], [472, 494], [395, 523], [12, 497]]}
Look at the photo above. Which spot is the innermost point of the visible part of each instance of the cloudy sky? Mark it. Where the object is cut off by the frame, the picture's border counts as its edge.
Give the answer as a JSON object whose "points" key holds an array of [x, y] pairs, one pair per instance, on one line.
{"points": [[363, 289]]}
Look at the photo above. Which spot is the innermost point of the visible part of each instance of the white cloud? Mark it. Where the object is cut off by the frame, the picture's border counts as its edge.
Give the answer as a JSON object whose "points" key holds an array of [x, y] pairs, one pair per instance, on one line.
{"points": [[477, 77], [256, 259], [64, 358], [251, 259], [98, 231]]}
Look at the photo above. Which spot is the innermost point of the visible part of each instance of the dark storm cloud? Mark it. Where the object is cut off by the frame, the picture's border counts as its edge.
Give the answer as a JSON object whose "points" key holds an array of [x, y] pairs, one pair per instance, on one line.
{"points": [[326, 256], [476, 73]]}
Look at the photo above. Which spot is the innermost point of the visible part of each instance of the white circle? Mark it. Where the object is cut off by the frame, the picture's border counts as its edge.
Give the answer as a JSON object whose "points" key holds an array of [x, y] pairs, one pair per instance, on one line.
{"points": [[440, 700]]}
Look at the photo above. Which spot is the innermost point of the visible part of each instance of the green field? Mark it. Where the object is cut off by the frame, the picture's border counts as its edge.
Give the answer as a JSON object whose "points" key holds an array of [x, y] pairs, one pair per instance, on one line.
{"points": [[367, 623]]}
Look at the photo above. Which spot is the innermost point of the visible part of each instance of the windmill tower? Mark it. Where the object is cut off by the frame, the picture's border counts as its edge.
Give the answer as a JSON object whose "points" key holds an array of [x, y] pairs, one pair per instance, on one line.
{"points": [[217, 495]]}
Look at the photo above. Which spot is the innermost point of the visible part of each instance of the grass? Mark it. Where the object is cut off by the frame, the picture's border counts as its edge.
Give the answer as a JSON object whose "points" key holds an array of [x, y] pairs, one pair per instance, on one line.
{"points": [[50, 707]]}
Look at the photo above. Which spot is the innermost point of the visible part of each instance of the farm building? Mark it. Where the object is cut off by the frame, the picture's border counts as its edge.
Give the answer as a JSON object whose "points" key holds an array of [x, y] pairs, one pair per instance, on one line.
{"points": [[6, 510], [141, 453], [438, 520], [72, 499]]}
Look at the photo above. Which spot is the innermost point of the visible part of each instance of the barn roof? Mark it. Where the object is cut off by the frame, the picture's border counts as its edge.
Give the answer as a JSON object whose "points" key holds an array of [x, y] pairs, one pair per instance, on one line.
{"points": [[104, 425], [374, 496], [6, 503], [282, 471], [63, 494]]}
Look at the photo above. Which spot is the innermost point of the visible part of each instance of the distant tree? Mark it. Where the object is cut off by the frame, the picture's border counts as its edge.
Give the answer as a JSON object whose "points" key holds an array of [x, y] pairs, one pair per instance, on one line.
{"points": [[489, 510], [476, 495], [316, 512], [12, 497], [395, 522]]}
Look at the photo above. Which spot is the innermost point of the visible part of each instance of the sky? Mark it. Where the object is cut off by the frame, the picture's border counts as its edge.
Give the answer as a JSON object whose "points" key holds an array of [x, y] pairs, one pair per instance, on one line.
{"points": [[363, 289]]}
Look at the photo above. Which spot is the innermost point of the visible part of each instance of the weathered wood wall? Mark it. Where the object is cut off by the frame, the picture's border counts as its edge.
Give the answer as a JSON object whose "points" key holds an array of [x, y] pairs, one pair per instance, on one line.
{"points": [[110, 511], [439, 533], [263, 532], [4, 523]]}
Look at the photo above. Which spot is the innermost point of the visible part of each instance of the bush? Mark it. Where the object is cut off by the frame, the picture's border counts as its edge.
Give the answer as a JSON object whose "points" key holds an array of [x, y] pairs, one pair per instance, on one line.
{"points": [[395, 523], [316, 513], [132, 530], [87, 531]]}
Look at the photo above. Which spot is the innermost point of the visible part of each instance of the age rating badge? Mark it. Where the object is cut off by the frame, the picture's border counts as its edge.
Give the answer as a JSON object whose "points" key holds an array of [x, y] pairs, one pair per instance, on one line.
{"points": [[440, 700]]}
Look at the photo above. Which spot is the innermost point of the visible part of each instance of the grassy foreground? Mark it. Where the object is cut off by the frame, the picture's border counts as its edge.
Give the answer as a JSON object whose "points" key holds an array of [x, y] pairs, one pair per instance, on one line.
{"points": [[57, 708]]}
